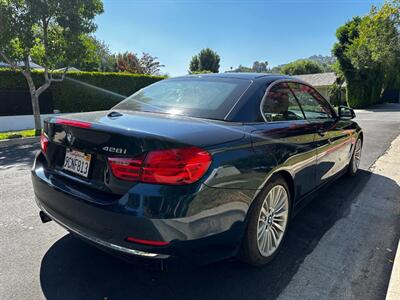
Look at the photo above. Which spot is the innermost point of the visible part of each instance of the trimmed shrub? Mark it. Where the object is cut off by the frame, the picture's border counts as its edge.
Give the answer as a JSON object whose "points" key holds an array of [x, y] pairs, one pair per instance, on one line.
{"points": [[82, 91], [364, 93]]}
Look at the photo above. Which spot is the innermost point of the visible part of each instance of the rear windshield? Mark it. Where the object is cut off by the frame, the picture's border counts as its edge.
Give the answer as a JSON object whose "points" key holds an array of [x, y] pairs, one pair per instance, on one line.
{"points": [[195, 97]]}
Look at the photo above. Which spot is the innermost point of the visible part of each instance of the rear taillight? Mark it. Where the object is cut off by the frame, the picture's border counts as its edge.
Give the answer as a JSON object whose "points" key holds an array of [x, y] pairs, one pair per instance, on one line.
{"points": [[175, 166], [73, 123], [172, 166], [126, 168], [44, 142]]}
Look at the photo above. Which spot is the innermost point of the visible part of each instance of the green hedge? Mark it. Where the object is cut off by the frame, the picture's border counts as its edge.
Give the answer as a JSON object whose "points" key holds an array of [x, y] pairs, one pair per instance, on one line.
{"points": [[83, 91], [362, 94]]}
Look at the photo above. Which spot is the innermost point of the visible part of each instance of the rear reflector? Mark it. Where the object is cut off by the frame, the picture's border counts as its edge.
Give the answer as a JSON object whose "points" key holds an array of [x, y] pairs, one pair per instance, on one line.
{"points": [[171, 166], [146, 242], [73, 123], [44, 142]]}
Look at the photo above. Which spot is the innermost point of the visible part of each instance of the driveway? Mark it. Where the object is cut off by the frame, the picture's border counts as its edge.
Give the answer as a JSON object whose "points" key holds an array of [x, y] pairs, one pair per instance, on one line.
{"points": [[339, 246]]}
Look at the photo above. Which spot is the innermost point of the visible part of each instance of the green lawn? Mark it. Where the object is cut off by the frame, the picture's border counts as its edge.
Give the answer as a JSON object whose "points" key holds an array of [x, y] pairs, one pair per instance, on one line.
{"points": [[17, 134]]}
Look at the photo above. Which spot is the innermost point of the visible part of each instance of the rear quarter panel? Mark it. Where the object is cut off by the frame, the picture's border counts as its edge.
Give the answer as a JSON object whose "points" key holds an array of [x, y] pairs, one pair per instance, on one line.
{"points": [[267, 148]]}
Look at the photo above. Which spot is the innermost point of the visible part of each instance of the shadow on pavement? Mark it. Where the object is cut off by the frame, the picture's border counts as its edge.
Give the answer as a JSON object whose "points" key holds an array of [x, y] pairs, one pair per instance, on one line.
{"points": [[18, 156], [72, 269]]}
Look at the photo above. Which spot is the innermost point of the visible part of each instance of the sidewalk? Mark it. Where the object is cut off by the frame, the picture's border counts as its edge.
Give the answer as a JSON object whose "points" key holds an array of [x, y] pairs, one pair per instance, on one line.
{"points": [[389, 165]]}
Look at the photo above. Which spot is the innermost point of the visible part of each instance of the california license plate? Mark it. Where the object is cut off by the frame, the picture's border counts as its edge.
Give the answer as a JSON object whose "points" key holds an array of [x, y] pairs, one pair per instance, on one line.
{"points": [[77, 162]]}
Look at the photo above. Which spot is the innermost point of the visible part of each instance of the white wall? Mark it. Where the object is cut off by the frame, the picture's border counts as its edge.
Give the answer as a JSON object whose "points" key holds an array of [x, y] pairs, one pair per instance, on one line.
{"points": [[324, 91], [10, 123]]}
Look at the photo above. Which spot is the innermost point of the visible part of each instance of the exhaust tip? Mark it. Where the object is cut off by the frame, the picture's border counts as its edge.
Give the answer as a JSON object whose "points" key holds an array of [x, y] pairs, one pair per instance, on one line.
{"points": [[45, 218]]}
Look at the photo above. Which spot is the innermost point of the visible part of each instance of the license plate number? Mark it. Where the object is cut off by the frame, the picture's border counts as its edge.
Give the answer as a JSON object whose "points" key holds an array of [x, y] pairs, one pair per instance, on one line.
{"points": [[77, 162]]}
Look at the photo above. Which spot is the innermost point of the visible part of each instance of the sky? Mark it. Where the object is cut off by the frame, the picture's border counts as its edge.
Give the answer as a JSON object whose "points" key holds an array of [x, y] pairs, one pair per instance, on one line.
{"points": [[241, 32]]}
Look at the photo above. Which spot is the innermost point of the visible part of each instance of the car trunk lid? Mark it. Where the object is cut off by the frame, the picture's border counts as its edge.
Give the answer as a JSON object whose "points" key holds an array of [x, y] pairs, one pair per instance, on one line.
{"points": [[100, 135]]}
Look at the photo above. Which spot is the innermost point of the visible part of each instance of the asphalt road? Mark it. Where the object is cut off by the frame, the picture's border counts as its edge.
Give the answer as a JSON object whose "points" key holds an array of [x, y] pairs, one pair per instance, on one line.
{"points": [[331, 251]]}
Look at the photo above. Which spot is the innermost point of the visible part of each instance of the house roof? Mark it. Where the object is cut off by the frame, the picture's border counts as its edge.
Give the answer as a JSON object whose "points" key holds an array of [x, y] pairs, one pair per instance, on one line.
{"points": [[21, 64], [70, 69], [319, 79]]}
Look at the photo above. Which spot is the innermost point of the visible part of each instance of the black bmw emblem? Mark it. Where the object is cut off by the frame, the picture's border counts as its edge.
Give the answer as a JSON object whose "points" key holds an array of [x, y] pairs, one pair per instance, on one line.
{"points": [[70, 138]]}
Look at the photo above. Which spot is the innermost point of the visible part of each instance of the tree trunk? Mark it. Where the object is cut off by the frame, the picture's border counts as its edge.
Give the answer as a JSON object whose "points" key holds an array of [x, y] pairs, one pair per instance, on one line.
{"points": [[35, 93], [36, 113], [35, 102]]}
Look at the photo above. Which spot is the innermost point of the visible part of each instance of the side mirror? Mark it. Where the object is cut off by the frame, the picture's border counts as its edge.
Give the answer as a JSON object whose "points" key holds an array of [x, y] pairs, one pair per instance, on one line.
{"points": [[346, 113]]}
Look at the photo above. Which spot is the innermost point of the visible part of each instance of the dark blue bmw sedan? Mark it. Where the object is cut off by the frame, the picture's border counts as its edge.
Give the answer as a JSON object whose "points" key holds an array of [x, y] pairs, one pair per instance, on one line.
{"points": [[200, 167]]}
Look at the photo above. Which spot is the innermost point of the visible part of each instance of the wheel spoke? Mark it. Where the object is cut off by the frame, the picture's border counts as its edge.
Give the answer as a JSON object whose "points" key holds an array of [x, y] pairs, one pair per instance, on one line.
{"points": [[267, 202], [280, 205], [280, 214], [271, 198], [260, 232], [277, 197], [357, 156], [269, 241], [263, 211], [274, 235], [264, 240], [278, 226]]}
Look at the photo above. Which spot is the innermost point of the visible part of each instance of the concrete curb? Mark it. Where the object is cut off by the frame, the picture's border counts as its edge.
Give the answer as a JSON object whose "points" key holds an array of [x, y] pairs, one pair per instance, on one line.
{"points": [[20, 141], [393, 292]]}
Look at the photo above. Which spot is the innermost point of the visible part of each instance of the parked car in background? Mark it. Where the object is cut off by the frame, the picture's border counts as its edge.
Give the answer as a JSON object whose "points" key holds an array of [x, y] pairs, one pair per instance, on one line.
{"points": [[198, 168]]}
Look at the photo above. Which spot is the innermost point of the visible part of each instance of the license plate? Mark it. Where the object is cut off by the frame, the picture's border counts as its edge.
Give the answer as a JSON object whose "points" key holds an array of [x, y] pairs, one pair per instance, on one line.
{"points": [[77, 162]]}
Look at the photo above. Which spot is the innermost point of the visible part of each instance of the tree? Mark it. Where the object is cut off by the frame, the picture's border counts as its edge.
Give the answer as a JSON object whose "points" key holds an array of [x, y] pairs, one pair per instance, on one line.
{"points": [[368, 53], [105, 60], [326, 62], [88, 60], [96, 56], [150, 64], [241, 69], [258, 67], [128, 62], [194, 64], [201, 72], [302, 66], [206, 60], [50, 31]]}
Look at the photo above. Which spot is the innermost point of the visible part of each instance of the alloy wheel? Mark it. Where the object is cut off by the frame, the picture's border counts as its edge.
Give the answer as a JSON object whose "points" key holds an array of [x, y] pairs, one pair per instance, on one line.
{"points": [[272, 220], [357, 155]]}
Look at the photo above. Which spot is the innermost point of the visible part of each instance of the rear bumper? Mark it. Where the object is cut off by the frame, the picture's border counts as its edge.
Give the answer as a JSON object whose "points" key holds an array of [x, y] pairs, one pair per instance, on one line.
{"points": [[197, 234], [98, 241]]}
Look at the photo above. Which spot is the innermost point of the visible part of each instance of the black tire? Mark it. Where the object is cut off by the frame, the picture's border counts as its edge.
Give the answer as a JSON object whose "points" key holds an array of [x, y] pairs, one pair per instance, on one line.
{"points": [[249, 251], [352, 169]]}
